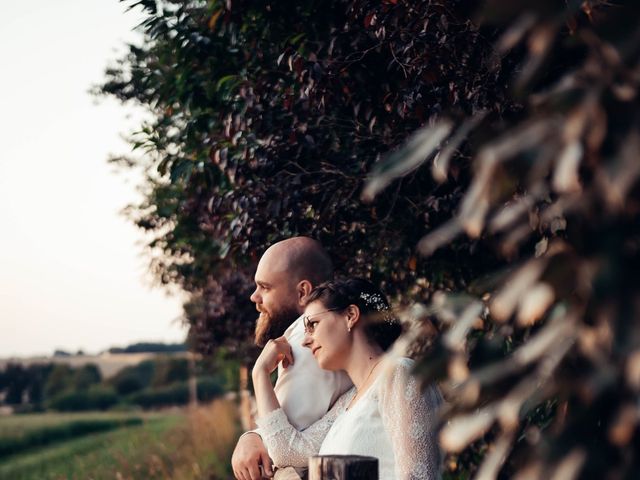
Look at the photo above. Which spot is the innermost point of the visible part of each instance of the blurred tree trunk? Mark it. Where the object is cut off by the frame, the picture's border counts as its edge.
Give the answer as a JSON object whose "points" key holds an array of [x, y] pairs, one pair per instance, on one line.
{"points": [[193, 380]]}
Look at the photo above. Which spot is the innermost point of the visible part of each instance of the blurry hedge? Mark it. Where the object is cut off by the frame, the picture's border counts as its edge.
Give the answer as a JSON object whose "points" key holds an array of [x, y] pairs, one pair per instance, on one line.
{"points": [[176, 394], [95, 398], [64, 388]]}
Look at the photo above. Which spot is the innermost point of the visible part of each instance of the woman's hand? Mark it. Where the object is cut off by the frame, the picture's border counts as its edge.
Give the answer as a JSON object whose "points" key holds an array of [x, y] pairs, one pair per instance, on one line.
{"points": [[274, 352]]}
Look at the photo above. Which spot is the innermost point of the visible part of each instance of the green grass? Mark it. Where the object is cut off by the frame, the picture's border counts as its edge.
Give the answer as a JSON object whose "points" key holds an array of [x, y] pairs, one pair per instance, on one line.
{"points": [[33, 434], [181, 444], [131, 452], [18, 425]]}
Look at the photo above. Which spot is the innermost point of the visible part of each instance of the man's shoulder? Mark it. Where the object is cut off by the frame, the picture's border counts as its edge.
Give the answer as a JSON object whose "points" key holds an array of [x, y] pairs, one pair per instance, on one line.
{"points": [[295, 326]]}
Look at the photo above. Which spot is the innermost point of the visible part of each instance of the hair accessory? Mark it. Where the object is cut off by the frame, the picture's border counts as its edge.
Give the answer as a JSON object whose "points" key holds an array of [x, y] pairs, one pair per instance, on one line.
{"points": [[375, 301]]}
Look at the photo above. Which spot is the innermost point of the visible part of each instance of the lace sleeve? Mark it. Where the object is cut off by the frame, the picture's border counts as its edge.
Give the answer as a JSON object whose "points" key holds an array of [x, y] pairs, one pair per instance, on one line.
{"points": [[410, 417], [290, 447]]}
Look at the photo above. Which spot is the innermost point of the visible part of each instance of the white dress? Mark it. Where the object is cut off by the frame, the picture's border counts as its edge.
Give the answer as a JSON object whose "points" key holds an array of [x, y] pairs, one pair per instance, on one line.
{"points": [[392, 421]]}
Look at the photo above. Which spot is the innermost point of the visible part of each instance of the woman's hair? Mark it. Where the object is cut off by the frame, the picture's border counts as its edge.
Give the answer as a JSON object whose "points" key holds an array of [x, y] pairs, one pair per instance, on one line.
{"points": [[380, 324]]}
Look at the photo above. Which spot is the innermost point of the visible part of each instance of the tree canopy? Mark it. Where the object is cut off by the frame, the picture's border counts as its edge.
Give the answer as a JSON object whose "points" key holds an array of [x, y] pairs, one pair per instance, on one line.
{"points": [[477, 159]]}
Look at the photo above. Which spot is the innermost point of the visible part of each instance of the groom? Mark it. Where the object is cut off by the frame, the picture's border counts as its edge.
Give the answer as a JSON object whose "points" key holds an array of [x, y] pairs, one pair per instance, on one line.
{"points": [[286, 273]]}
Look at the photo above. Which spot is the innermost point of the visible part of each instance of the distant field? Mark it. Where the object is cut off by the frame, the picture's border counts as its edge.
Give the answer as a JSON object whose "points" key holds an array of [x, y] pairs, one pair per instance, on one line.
{"points": [[182, 445]]}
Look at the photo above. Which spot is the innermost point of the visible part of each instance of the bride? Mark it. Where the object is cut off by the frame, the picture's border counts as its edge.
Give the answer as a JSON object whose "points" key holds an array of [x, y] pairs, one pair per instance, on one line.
{"points": [[348, 326]]}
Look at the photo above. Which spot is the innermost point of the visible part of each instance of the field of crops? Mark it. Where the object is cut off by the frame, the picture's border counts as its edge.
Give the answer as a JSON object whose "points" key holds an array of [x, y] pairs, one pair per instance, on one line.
{"points": [[177, 444]]}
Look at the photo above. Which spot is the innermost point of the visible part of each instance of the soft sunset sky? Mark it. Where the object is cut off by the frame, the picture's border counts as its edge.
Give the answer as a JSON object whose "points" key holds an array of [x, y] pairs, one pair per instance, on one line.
{"points": [[71, 271]]}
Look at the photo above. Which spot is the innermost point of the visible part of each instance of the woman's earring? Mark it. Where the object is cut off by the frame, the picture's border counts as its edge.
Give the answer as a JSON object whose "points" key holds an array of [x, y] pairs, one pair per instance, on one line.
{"points": [[348, 328]]}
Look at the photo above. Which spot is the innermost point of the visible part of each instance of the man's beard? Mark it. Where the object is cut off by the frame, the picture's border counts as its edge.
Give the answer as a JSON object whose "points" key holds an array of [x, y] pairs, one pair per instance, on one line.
{"points": [[273, 326]]}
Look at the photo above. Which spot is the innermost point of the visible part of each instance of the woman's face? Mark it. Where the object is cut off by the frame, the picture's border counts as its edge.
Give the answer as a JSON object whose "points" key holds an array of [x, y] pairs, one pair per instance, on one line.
{"points": [[326, 335]]}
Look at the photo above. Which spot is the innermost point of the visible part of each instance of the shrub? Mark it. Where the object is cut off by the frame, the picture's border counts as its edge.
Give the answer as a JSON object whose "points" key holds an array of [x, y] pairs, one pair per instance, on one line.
{"points": [[177, 394], [170, 370], [209, 388], [145, 347], [85, 376], [128, 383], [134, 378], [96, 398], [59, 380]]}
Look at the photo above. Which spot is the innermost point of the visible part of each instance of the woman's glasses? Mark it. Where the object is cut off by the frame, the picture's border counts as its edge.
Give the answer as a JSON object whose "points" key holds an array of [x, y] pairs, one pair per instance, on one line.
{"points": [[310, 325]]}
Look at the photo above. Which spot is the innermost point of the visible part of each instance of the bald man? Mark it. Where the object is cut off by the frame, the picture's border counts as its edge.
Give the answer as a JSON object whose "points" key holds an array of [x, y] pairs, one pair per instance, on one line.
{"points": [[286, 273]]}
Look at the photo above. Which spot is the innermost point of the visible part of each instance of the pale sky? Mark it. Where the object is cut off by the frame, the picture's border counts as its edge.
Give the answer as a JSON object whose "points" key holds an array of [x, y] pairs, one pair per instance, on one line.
{"points": [[71, 271]]}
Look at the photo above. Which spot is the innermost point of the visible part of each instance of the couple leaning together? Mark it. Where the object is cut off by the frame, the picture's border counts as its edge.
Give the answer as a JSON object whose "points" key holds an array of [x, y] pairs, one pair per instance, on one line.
{"points": [[337, 392]]}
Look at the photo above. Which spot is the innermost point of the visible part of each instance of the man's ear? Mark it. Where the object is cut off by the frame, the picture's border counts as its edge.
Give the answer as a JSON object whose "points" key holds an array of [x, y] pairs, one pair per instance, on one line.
{"points": [[303, 290]]}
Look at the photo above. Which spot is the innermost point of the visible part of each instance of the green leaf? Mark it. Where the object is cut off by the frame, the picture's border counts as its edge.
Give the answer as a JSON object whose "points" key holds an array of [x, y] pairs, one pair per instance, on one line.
{"points": [[181, 171], [420, 146]]}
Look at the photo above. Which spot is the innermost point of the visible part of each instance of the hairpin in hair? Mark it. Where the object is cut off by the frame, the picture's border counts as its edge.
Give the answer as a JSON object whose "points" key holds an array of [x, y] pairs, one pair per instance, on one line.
{"points": [[375, 301]]}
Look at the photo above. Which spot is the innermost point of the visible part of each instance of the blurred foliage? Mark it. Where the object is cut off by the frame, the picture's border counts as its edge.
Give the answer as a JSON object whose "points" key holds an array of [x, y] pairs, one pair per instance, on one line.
{"points": [[169, 370], [133, 378], [59, 380], [221, 315], [512, 180], [177, 393], [85, 376], [148, 347], [542, 363], [95, 398], [66, 388]]}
